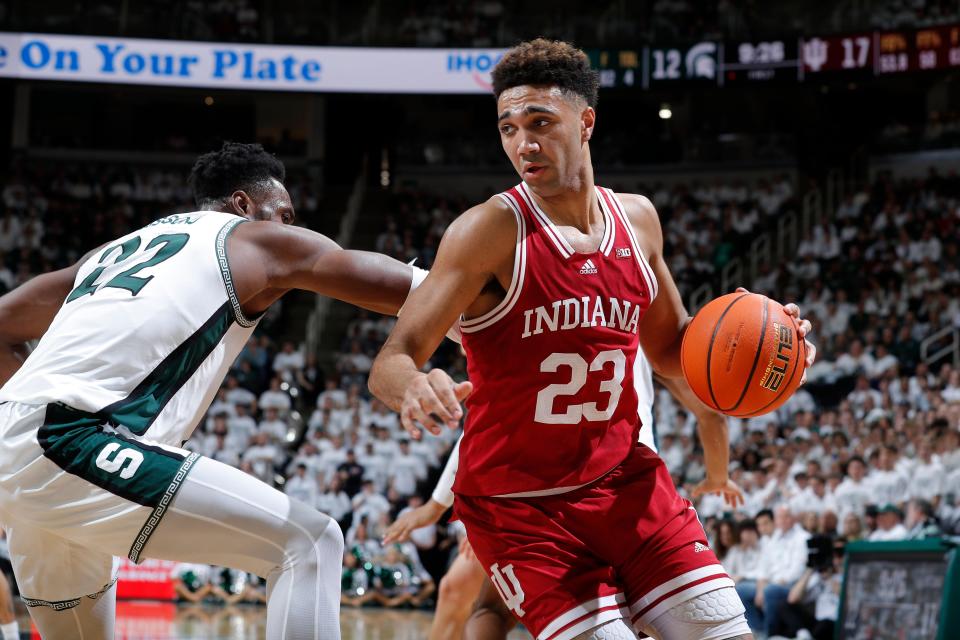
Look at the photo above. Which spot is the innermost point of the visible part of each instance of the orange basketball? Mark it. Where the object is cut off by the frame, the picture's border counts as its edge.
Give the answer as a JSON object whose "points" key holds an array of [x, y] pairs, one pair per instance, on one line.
{"points": [[742, 355]]}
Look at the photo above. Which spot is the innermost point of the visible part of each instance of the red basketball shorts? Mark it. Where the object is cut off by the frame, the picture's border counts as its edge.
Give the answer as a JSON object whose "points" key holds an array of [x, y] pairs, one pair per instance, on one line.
{"points": [[626, 545]]}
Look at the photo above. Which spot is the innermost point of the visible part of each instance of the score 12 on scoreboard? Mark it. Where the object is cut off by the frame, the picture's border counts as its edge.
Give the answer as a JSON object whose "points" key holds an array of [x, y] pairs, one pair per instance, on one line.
{"points": [[921, 50], [696, 62]]}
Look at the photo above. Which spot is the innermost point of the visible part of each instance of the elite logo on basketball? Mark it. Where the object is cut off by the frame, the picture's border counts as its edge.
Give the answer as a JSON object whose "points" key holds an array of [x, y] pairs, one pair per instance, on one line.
{"points": [[777, 367]]}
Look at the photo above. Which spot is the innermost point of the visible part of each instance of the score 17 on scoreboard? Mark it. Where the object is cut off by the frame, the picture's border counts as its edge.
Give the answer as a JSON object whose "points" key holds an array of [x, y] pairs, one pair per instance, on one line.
{"points": [[786, 60]]}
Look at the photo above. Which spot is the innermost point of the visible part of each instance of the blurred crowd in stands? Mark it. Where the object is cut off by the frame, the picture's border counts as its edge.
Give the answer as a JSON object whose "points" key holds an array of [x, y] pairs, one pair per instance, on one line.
{"points": [[868, 449], [490, 23]]}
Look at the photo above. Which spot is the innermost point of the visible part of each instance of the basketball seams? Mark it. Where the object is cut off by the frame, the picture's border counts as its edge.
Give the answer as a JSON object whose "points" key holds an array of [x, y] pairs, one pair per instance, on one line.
{"points": [[713, 337], [756, 357]]}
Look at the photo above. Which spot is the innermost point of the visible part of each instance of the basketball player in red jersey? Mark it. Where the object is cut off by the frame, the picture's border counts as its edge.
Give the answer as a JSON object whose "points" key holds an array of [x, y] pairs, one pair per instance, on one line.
{"points": [[580, 529]]}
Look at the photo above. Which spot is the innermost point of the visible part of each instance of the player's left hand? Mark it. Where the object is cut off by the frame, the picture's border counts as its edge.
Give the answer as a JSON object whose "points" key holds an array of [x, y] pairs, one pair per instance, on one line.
{"points": [[424, 515], [804, 327], [732, 494]]}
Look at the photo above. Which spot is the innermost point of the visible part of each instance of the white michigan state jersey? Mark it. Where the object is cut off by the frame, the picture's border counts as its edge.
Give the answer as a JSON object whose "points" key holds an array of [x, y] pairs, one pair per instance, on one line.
{"points": [[148, 333]]}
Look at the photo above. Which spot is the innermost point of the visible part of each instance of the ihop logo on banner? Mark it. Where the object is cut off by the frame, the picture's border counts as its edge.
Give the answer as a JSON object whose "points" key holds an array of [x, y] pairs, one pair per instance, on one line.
{"points": [[478, 64]]}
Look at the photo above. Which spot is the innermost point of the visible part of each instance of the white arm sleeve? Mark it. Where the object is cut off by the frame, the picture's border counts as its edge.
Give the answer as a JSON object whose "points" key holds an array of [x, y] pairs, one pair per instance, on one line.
{"points": [[419, 275], [443, 492]]}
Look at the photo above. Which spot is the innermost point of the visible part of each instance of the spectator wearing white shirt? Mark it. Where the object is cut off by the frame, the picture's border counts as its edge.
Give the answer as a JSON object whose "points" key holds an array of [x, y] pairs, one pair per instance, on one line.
{"points": [[406, 470], [218, 448], [858, 397], [369, 503], [927, 477], [261, 456], [332, 396], [288, 361], [742, 561], [889, 525], [672, 453], [375, 466], [275, 397], [238, 396], [242, 426], [384, 445], [854, 493], [784, 559], [336, 503], [220, 405], [381, 416], [883, 361], [887, 483], [812, 498], [273, 426], [302, 486], [355, 360], [331, 457]]}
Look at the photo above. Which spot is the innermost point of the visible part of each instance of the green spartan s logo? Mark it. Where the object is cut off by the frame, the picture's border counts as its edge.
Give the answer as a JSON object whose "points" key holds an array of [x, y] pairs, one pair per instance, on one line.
{"points": [[126, 461]]}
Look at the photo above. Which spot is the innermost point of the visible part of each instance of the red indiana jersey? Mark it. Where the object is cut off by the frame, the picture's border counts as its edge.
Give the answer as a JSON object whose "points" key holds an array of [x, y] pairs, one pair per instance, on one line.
{"points": [[554, 405]]}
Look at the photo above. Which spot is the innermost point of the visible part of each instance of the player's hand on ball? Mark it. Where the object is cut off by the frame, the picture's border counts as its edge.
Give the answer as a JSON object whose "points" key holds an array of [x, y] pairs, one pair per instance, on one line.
{"points": [[804, 327], [732, 494], [433, 401]]}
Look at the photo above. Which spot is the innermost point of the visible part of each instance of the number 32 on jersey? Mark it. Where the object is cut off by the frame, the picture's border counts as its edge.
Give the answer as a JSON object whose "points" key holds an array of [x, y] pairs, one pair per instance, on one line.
{"points": [[579, 370]]}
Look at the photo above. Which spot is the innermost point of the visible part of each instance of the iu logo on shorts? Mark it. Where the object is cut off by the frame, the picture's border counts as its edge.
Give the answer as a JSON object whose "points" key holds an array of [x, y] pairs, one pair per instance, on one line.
{"points": [[511, 592]]}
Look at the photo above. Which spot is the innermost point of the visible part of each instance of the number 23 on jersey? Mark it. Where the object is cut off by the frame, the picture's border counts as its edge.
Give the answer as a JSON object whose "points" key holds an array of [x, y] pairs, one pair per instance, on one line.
{"points": [[579, 370]]}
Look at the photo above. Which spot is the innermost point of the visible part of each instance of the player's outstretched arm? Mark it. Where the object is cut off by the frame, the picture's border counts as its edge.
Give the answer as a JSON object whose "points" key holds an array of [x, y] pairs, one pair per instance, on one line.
{"points": [[715, 438], [268, 259], [431, 511], [476, 253], [662, 326], [26, 313]]}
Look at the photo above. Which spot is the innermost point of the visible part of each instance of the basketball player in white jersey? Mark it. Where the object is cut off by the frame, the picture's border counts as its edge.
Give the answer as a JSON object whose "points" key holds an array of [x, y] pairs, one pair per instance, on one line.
{"points": [[465, 589], [135, 340]]}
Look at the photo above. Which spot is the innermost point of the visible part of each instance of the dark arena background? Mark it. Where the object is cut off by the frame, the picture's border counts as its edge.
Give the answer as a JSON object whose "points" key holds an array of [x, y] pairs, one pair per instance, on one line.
{"points": [[805, 150]]}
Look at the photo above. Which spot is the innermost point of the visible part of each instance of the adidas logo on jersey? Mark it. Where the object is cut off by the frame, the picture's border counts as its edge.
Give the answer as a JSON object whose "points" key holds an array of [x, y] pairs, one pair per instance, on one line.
{"points": [[587, 268], [624, 252], [699, 547]]}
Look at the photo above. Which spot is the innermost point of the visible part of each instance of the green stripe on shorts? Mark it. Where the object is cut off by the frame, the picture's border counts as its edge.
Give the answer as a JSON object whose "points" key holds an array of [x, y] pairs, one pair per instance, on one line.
{"points": [[84, 445]]}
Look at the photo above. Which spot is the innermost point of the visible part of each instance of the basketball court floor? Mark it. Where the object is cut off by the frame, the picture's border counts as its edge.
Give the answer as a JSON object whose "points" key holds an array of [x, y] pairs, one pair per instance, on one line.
{"points": [[166, 621]]}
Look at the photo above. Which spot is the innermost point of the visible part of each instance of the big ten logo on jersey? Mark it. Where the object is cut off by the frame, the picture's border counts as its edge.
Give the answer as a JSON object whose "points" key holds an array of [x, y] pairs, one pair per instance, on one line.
{"points": [[581, 313], [508, 587], [777, 367], [126, 461]]}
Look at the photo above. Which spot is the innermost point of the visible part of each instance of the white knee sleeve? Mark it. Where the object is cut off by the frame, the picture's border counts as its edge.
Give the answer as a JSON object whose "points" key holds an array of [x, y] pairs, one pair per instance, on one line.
{"points": [[715, 615], [613, 630]]}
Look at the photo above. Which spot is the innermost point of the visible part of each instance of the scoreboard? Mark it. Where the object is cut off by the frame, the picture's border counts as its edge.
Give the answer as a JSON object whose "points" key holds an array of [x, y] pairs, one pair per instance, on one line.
{"points": [[850, 53], [698, 62], [920, 50], [781, 60], [769, 60], [617, 68]]}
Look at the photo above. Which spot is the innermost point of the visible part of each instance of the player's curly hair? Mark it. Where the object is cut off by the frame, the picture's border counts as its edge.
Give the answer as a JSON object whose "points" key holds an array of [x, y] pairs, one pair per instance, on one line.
{"points": [[547, 62], [235, 167]]}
